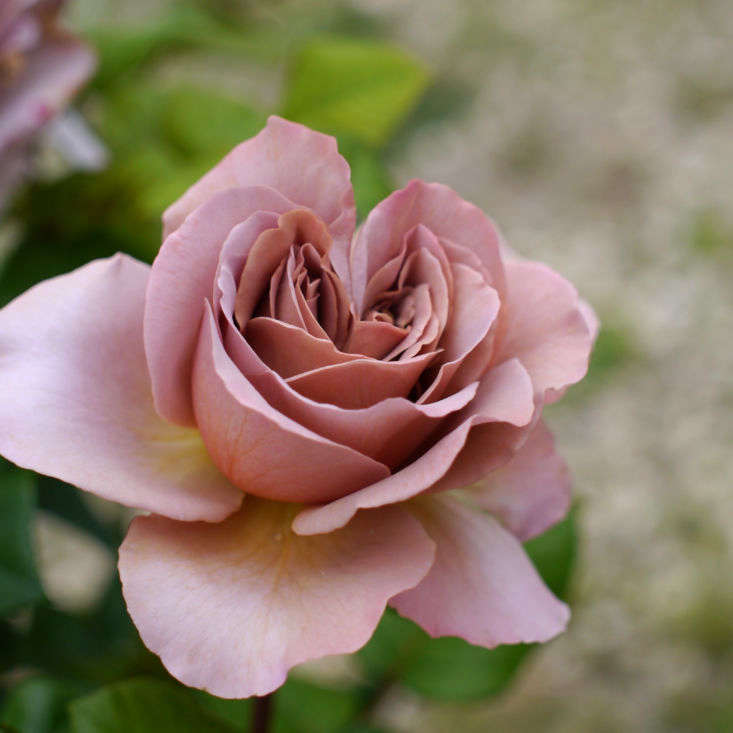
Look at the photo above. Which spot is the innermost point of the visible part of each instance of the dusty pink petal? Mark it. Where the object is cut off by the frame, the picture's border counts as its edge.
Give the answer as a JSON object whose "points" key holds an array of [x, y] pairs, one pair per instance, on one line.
{"points": [[532, 491], [489, 446], [289, 350], [231, 608], [362, 382], [474, 310], [482, 586], [504, 397], [591, 319], [259, 449], [440, 210], [383, 279], [420, 331], [374, 338], [75, 401], [269, 250], [544, 325], [388, 431], [303, 165], [52, 75], [181, 277]]}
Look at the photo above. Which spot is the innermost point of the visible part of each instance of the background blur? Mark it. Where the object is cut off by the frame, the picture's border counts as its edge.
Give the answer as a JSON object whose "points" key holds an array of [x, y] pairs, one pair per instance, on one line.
{"points": [[599, 136]]}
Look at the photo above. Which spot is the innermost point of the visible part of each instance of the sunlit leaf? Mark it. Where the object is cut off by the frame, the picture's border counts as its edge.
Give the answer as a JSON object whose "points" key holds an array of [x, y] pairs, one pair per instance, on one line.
{"points": [[362, 88]]}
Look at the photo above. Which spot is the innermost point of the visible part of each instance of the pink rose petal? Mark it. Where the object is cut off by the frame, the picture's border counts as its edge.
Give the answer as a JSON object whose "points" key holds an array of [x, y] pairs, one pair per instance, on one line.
{"points": [[362, 382], [303, 165], [52, 75], [76, 403], [231, 608], [482, 586], [544, 325], [259, 449], [443, 212], [505, 397], [180, 280], [532, 491]]}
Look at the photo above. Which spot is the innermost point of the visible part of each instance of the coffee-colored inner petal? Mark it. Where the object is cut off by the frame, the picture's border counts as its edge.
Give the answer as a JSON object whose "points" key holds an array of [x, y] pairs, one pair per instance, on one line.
{"points": [[296, 227]]}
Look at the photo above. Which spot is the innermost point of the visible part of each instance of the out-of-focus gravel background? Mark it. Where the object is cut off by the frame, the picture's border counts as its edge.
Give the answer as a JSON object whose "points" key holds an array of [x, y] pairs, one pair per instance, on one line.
{"points": [[599, 136]]}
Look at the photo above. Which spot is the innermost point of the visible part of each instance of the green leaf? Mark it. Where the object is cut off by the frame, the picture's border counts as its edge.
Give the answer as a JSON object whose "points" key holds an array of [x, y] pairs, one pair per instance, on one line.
{"points": [[144, 705], [66, 502], [101, 645], [554, 552], [305, 707], [369, 175], [200, 122], [356, 87], [449, 668], [19, 584], [38, 705]]}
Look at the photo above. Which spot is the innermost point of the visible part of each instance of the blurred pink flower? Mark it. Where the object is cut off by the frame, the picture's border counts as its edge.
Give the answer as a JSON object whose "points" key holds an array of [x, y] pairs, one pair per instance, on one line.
{"points": [[347, 384], [41, 68]]}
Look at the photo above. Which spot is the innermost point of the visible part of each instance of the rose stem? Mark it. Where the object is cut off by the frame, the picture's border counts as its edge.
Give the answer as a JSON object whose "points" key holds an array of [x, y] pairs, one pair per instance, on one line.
{"points": [[262, 713]]}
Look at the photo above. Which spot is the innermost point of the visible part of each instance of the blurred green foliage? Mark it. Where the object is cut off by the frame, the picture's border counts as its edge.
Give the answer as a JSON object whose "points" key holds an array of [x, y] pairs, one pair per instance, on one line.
{"points": [[353, 87], [85, 672], [19, 584]]}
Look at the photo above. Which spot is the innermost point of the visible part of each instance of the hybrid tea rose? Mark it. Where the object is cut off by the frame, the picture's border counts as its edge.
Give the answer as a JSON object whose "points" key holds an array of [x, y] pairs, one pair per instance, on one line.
{"points": [[318, 422], [41, 68]]}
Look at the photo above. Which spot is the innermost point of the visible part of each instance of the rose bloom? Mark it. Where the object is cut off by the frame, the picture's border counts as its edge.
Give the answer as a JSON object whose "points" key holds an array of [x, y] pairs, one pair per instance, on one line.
{"points": [[41, 68], [318, 422]]}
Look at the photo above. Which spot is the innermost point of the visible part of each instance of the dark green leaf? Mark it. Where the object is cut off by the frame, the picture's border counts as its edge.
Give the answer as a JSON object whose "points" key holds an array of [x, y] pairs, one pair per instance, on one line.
{"points": [[346, 86], [38, 705], [305, 707], [19, 584], [200, 122], [101, 646], [66, 502], [369, 175], [144, 705], [553, 554]]}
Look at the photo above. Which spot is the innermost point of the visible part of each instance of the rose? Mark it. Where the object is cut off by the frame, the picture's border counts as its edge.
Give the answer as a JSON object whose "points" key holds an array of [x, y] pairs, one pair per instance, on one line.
{"points": [[41, 68], [348, 385]]}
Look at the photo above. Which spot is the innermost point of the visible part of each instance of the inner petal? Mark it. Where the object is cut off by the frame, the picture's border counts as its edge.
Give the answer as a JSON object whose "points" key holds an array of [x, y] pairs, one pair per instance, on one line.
{"points": [[296, 227]]}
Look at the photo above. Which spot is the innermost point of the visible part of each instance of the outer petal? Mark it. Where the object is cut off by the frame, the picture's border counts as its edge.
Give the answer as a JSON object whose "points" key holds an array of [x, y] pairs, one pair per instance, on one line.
{"points": [[75, 401], [259, 449], [182, 277], [544, 325], [482, 586], [532, 491], [230, 608], [301, 164], [438, 208], [504, 397]]}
